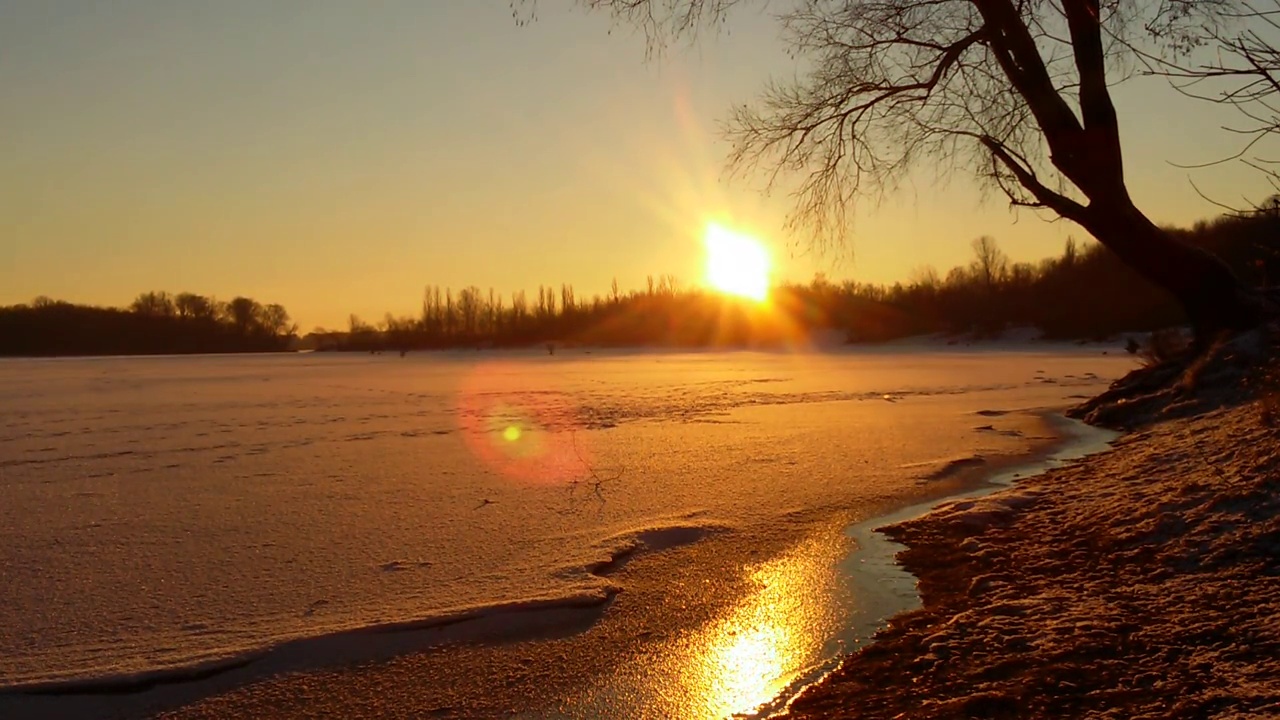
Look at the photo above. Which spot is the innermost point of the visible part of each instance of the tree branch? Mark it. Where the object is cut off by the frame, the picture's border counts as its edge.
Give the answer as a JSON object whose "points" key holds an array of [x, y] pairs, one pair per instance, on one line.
{"points": [[1096, 109], [1057, 202]]}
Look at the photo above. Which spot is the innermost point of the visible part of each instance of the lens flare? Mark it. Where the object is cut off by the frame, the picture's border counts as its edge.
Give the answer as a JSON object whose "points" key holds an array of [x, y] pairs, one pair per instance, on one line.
{"points": [[520, 428]]}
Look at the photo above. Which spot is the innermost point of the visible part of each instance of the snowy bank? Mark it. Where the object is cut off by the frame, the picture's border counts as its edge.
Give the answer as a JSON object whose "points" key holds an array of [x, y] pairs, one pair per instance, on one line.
{"points": [[1140, 583]]}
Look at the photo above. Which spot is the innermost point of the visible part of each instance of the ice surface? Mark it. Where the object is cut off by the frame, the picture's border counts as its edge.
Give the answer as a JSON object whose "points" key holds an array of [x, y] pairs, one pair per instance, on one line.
{"points": [[169, 515]]}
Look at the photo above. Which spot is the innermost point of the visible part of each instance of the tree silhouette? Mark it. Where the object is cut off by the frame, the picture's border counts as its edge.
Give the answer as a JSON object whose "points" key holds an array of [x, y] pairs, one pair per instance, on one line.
{"points": [[1243, 73], [274, 320], [244, 314], [154, 304], [154, 323], [990, 264], [191, 305], [1016, 91]]}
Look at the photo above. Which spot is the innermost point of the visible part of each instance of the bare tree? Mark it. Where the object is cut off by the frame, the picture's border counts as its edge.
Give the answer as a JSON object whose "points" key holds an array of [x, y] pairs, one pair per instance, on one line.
{"points": [[925, 276], [519, 309], [429, 320], [469, 309], [275, 320], [191, 305], [568, 305], [1243, 72], [1015, 91], [1070, 252], [990, 264], [245, 314], [497, 313], [450, 313], [493, 309], [154, 304]]}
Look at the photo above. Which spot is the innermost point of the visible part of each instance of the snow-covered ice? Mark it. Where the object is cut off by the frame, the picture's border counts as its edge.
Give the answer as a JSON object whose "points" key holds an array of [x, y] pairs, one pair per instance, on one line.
{"points": [[164, 515]]}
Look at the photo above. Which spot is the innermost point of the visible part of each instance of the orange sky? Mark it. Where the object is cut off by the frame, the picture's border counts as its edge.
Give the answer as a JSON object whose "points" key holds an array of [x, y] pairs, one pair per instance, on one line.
{"points": [[336, 159]]}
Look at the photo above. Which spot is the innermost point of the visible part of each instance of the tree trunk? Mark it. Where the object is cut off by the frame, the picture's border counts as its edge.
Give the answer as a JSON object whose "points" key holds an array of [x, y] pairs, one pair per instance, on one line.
{"points": [[1214, 299], [1087, 150]]}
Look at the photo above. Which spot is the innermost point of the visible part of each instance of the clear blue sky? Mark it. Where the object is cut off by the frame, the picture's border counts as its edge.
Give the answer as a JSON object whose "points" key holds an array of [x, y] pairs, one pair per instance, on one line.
{"points": [[337, 156]]}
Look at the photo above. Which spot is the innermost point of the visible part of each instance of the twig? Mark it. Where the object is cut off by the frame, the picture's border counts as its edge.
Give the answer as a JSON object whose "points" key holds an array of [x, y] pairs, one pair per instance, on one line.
{"points": [[593, 480]]}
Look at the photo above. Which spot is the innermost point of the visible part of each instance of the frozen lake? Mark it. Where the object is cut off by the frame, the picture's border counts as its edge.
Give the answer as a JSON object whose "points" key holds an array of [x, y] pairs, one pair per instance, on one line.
{"points": [[165, 514]]}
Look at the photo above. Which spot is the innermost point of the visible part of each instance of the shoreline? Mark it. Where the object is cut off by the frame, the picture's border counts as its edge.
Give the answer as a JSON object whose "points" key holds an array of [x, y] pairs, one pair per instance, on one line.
{"points": [[501, 622], [885, 588], [1140, 583]]}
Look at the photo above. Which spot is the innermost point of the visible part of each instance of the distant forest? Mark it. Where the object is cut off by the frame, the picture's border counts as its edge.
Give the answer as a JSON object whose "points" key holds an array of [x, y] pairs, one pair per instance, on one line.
{"points": [[1085, 293], [156, 323]]}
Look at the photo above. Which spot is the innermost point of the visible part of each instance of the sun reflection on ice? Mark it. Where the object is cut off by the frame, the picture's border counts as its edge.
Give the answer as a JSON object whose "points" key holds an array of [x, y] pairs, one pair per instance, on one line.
{"points": [[745, 663], [768, 642]]}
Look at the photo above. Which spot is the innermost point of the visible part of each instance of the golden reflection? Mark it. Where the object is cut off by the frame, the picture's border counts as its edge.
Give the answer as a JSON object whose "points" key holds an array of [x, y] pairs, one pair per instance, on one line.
{"points": [[771, 640]]}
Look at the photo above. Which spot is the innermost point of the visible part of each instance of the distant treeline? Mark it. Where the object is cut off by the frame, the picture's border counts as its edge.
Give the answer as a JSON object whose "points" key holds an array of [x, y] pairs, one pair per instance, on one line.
{"points": [[1084, 293], [156, 323]]}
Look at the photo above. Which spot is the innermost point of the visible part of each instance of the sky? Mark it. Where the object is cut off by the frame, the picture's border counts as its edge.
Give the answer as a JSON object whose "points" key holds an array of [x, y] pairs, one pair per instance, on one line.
{"points": [[337, 157]]}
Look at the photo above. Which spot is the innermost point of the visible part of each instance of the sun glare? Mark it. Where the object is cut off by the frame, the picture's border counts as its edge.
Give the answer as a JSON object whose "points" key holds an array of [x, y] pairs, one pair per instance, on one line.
{"points": [[737, 264]]}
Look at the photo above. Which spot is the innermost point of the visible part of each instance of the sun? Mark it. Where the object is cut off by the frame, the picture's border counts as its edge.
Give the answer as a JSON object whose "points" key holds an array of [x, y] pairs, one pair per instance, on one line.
{"points": [[737, 264]]}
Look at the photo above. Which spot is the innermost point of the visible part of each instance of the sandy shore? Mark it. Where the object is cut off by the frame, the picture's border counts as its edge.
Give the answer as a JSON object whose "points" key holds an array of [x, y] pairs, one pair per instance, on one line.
{"points": [[1141, 583]]}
